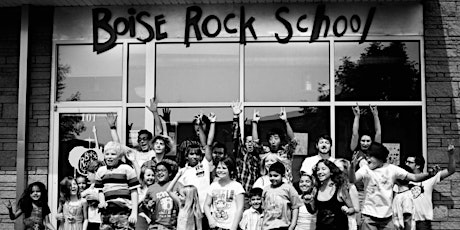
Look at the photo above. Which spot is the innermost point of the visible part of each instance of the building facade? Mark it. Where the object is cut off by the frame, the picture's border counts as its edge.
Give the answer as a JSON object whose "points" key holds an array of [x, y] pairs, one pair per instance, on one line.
{"points": [[63, 67]]}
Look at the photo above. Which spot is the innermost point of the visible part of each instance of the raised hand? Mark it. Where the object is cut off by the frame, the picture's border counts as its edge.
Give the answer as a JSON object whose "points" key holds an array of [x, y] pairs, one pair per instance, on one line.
{"points": [[282, 114], [166, 114], [450, 149], [111, 119], [153, 107], [237, 107], [356, 110], [256, 116], [212, 117], [374, 110]]}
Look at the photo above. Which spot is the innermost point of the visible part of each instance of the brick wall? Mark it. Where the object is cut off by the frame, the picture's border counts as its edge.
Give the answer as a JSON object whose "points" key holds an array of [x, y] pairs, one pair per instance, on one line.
{"points": [[442, 67], [39, 82]]}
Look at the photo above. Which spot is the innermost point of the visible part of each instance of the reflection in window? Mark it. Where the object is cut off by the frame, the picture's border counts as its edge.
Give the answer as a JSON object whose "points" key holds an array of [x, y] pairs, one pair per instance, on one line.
{"points": [[400, 125], [377, 71], [136, 73], [83, 75], [135, 123], [199, 73], [287, 72]]}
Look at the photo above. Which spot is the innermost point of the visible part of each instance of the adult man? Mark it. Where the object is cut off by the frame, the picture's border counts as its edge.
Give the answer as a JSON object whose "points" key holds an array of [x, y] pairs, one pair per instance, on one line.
{"points": [[423, 191], [323, 145]]}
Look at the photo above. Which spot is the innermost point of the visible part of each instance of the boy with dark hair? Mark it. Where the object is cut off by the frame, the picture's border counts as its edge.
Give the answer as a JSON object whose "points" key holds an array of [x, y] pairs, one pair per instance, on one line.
{"points": [[91, 194], [379, 178], [323, 145], [252, 216], [281, 201]]}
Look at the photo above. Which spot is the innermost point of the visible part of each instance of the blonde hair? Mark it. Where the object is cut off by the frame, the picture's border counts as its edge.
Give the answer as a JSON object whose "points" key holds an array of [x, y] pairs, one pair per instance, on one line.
{"points": [[263, 170], [120, 149], [192, 204]]}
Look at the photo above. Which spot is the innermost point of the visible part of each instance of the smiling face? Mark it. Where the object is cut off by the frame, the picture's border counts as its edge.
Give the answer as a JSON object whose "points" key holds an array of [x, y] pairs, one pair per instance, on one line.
{"points": [[365, 142], [256, 202], [73, 188], [374, 163], [274, 142], [143, 141], [269, 160], [194, 157], [162, 174], [159, 146], [305, 184], [149, 177], [111, 157], [222, 171], [323, 146], [323, 172], [35, 194], [81, 182]]}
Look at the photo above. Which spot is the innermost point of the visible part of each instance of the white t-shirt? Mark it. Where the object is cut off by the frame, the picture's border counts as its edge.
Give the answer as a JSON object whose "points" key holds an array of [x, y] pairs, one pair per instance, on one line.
{"points": [[403, 203], [142, 157], [378, 188], [198, 176], [223, 202], [310, 162], [423, 200], [264, 181], [306, 220], [251, 220]]}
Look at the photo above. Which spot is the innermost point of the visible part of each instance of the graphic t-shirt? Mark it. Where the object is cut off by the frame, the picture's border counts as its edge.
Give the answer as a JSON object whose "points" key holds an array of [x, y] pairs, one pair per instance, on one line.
{"points": [[378, 185], [198, 176], [223, 206], [422, 193], [403, 203], [165, 210], [278, 205]]}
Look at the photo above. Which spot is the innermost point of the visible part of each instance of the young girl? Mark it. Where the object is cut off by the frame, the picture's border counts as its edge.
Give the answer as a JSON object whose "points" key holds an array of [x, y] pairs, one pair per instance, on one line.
{"points": [[267, 161], [34, 205], [307, 192], [332, 200], [225, 199], [190, 215], [146, 178], [82, 183], [73, 213], [344, 165], [91, 195]]}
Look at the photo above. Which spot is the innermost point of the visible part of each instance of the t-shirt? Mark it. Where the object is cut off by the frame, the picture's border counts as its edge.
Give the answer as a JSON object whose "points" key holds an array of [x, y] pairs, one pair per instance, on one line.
{"points": [[166, 210], [278, 205], [264, 181], [423, 199], [309, 163], [91, 195], [117, 182], [223, 202], [403, 203], [142, 157], [378, 187], [306, 220], [198, 176]]}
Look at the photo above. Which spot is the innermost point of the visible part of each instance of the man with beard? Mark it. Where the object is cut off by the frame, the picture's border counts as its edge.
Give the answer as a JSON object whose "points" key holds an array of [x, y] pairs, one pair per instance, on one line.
{"points": [[323, 145]]}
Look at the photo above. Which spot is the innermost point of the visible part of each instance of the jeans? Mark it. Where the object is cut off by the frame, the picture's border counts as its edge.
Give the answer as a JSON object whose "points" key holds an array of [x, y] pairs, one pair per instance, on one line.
{"points": [[375, 223], [423, 225]]}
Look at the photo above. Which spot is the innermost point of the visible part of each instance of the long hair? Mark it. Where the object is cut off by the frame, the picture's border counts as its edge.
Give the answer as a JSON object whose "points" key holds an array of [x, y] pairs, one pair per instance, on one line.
{"points": [[231, 166], [337, 176], [25, 203], [263, 170], [192, 204], [142, 173], [65, 187]]}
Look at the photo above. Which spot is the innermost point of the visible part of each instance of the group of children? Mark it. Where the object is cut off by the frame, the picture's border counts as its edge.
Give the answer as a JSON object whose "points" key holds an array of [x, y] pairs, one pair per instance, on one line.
{"points": [[214, 187]]}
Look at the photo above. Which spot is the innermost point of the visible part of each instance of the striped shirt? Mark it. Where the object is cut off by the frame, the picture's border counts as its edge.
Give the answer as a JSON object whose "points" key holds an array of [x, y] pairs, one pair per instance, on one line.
{"points": [[117, 182]]}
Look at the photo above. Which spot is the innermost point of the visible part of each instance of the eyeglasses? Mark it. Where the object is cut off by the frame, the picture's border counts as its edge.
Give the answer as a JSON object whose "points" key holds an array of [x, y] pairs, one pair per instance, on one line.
{"points": [[142, 139], [410, 162]]}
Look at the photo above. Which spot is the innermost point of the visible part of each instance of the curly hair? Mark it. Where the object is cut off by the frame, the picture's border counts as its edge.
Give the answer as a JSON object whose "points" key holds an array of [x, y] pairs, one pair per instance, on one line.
{"points": [[337, 176], [25, 203]]}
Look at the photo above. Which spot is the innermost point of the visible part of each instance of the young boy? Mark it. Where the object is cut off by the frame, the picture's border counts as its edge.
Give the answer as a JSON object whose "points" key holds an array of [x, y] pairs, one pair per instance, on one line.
{"points": [[119, 183], [379, 178], [281, 201], [91, 194], [252, 216], [403, 205]]}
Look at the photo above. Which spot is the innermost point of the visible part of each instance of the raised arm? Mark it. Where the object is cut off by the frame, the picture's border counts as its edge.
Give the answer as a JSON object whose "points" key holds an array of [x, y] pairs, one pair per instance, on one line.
{"points": [[451, 166], [355, 130], [236, 131], [13, 215], [283, 116], [173, 183], [112, 121], [207, 148], [378, 128], [212, 128], [153, 108], [255, 122]]}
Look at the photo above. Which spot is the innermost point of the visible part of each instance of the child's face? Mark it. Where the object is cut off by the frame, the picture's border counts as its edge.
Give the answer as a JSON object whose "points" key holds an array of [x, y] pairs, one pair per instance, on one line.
{"points": [[74, 188], [255, 202], [365, 142], [159, 146], [323, 172], [269, 160], [305, 183], [91, 177], [374, 163], [35, 194], [274, 142], [111, 157], [149, 177], [81, 182], [193, 158], [275, 178], [162, 173], [323, 146], [222, 171]]}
